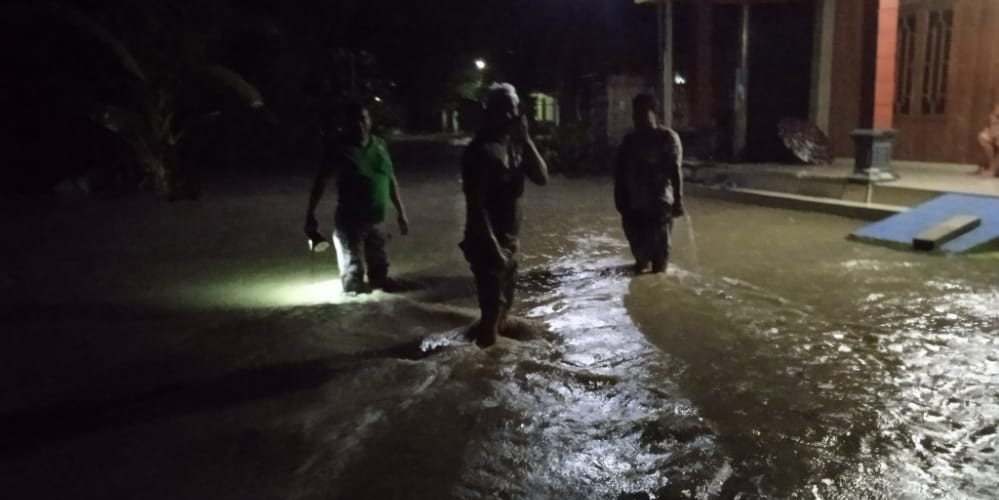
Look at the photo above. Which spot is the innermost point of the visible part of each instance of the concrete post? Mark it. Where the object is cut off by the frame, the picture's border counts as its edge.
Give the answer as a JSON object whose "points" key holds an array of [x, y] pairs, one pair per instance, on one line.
{"points": [[666, 56], [825, 23], [874, 139], [703, 84], [741, 87]]}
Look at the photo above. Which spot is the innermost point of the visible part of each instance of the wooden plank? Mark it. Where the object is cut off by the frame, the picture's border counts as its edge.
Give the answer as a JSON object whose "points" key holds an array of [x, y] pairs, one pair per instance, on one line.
{"points": [[934, 237]]}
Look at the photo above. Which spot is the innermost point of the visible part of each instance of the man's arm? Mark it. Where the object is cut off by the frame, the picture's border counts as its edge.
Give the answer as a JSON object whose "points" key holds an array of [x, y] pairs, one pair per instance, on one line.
{"points": [[675, 170], [619, 176], [399, 208], [534, 164], [316, 194], [475, 190]]}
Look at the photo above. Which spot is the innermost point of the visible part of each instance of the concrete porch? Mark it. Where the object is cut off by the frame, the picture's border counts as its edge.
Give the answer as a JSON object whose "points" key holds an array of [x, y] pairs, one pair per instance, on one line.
{"points": [[828, 189]]}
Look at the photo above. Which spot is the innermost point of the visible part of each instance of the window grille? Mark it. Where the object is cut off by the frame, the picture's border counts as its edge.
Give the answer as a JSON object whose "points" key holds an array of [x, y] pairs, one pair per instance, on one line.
{"points": [[937, 61]]}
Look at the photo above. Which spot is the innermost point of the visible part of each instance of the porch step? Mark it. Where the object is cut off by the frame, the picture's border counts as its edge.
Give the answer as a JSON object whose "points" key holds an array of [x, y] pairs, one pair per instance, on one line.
{"points": [[775, 199], [934, 237]]}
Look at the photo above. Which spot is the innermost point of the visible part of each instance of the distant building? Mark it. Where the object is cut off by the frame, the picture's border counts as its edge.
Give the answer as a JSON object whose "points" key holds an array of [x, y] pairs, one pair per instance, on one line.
{"points": [[545, 108], [601, 104], [610, 107], [940, 77], [926, 69]]}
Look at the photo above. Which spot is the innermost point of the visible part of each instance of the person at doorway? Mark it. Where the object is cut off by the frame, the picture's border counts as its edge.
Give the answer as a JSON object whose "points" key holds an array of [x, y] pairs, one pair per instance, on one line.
{"points": [[366, 184], [648, 185], [493, 170], [988, 139]]}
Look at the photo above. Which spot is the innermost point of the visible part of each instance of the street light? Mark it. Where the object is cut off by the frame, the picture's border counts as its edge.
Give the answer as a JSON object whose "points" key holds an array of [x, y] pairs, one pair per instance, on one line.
{"points": [[480, 64]]}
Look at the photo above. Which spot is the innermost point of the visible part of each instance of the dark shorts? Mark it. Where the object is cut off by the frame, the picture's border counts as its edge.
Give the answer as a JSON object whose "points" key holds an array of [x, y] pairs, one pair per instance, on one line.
{"points": [[649, 236]]}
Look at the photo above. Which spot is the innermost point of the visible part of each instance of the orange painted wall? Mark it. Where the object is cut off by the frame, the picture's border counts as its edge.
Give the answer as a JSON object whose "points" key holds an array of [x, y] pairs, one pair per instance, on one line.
{"points": [[972, 81], [844, 112], [884, 84]]}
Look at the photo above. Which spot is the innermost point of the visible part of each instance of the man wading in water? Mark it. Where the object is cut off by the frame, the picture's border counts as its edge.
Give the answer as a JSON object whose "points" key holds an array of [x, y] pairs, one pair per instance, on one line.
{"points": [[493, 169], [366, 183], [648, 186]]}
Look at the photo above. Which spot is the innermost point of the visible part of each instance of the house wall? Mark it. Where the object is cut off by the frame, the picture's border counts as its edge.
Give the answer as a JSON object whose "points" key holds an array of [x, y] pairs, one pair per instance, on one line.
{"points": [[884, 79], [971, 80], [942, 137], [621, 90], [779, 75], [844, 99], [986, 61]]}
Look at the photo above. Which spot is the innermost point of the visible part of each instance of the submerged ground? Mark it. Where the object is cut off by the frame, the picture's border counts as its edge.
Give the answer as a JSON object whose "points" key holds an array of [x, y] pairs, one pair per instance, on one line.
{"points": [[192, 350]]}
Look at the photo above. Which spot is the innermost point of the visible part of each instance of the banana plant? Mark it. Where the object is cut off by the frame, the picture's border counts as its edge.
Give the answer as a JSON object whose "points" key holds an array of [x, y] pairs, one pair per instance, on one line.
{"points": [[152, 126]]}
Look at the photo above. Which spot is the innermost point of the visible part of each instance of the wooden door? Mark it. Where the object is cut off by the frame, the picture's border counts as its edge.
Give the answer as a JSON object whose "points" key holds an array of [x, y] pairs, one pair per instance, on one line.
{"points": [[934, 85]]}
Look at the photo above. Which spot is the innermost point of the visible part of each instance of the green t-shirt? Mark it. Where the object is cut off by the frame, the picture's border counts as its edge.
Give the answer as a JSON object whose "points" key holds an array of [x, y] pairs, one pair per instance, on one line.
{"points": [[365, 182]]}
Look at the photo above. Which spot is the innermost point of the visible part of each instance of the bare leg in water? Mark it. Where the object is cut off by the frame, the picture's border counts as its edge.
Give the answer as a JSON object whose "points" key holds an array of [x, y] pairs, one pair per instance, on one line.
{"points": [[988, 144], [507, 285], [489, 284], [496, 293], [485, 332]]}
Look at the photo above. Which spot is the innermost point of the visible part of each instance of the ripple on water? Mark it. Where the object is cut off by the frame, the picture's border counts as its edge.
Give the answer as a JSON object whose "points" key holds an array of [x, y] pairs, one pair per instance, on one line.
{"points": [[815, 369]]}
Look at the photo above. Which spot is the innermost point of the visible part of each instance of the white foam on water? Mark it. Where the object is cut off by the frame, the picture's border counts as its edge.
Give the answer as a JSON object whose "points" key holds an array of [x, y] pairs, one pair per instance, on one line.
{"points": [[692, 240]]}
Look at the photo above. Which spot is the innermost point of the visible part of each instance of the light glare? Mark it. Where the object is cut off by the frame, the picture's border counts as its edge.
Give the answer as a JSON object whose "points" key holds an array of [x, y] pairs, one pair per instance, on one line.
{"points": [[320, 292]]}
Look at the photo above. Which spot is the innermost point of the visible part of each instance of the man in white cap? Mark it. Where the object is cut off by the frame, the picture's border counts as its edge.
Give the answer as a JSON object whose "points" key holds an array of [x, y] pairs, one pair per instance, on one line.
{"points": [[493, 170]]}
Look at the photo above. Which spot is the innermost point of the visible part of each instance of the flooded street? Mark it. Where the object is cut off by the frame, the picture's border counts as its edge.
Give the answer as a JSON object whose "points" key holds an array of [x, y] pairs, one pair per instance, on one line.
{"points": [[776, 359]]}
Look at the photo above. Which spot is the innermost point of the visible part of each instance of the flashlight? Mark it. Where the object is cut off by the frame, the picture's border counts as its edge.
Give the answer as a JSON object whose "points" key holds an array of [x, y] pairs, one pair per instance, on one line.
{"points": [[317, 242]]}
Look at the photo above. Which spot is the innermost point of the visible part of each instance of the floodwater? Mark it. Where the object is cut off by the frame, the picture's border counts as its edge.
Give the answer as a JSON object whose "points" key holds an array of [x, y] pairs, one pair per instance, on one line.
{"points": [[776, 359]]}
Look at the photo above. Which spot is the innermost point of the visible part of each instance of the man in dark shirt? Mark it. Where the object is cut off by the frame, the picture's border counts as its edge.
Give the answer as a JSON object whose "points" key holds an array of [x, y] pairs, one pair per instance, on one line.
{"points": [[648, 185], [366, 185], [493, 170]]}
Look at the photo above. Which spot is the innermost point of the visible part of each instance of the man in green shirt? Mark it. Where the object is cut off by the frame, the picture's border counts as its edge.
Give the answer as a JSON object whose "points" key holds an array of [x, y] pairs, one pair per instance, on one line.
{"points": [[366, 184]]}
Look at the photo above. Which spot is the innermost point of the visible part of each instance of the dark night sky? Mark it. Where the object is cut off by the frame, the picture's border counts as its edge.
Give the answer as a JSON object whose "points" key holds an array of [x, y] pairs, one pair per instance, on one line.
{"points": [[527, 39], [281, 46], [538, 43]]}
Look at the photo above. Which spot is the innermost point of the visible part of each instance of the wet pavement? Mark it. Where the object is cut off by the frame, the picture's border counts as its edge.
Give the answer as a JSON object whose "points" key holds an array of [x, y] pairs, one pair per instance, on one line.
{"points": [[193, 351]]}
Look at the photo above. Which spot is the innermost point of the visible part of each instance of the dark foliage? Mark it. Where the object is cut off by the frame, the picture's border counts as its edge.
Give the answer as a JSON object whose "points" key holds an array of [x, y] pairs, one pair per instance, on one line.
{"points": [[407, 59]]}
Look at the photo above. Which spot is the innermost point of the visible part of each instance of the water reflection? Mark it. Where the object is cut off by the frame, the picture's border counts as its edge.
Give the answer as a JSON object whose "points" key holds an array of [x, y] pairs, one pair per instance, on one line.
{"points": [[777, 361], [811, 367], [774, 360]]}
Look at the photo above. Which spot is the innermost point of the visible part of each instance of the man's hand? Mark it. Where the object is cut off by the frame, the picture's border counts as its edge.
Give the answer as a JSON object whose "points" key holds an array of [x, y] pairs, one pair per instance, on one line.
{"points": [[403, 225], [521, 130], [678, 210], [503, 257]]}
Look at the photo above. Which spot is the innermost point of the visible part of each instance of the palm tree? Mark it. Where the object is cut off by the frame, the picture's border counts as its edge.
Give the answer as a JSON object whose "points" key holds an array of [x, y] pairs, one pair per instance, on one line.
{"points": [[152, 123]]}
